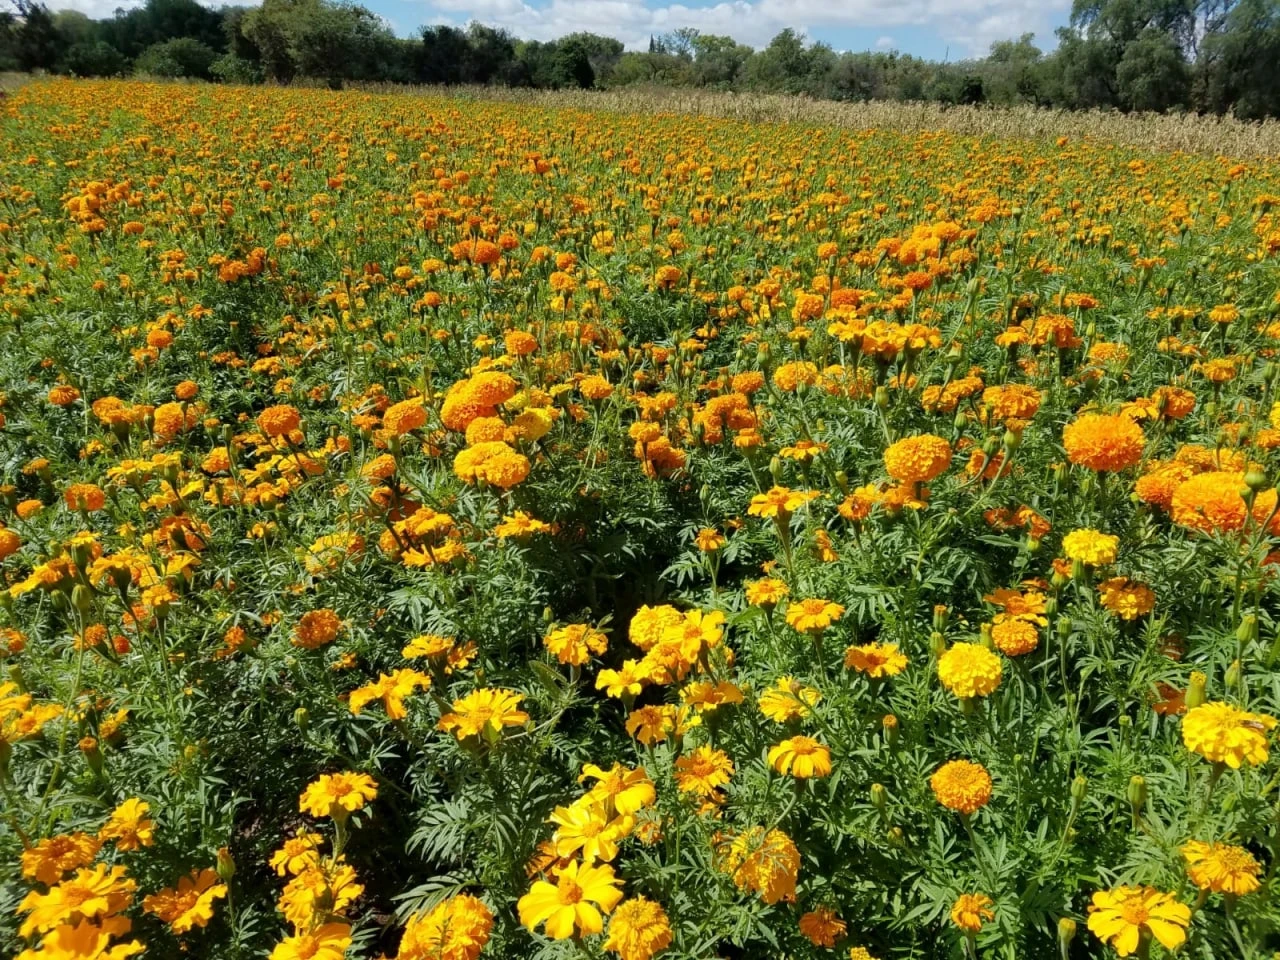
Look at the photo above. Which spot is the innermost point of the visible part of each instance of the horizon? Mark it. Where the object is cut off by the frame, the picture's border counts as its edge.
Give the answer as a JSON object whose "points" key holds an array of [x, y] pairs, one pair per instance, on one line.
{"points": [[934, 30]]}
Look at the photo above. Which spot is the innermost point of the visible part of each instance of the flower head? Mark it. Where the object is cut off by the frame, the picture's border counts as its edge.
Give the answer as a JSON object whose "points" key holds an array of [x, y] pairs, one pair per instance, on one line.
{"points": [[971, 911], [962, 786], [1225, 734], [1103, 443], [1125, 916], [970, 670], [1221, 867], [638, 930], [337, 794], [573, 903]]}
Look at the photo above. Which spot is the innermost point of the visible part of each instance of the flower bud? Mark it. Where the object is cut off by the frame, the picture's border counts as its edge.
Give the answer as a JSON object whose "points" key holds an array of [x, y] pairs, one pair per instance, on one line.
{"points": [[985, 636], [1079, 787], [1247, 632], [82, 598], [882, 397], [889, 728], [1195, 690], [1066, 932], [1232, 678], [1012, 439], [302, 717], [1137, 793], [226, 865], [879, 797], [940, 613], [937, 644], [775, 470]]}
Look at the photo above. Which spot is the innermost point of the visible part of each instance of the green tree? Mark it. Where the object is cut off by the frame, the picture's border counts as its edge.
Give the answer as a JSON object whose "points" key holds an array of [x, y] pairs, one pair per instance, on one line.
{"points": [[179, 57], [1152, 73]]}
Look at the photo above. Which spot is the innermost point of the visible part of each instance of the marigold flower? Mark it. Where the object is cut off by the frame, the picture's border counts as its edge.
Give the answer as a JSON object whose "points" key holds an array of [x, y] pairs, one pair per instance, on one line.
{"points": [[316, 628], [813, 616], [917, 459], [391, 689], [329, 941], [456, 929], [572, 904], [703, 771], [190, 904], [337, 795], [1127, 599], [970, 670], [787, 700], [638, 930], [1221, 867], [766, 593], [802, 757], [484, 711], [779, 502], [1126, 916], [962, 786], [128, 826], [1213, 502], [48, 860], [1015, 636], [574, 644], [822, 927], [1222, 733], [1103, 443], [766, 862], [876, 660], [971, 911], [1091, 547], [92, 893], [279, 421]]}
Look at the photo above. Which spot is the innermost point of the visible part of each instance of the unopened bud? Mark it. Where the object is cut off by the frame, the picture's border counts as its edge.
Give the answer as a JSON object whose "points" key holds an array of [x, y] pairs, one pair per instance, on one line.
{"points": [[882, 398], [1079, 787], [226, 865], [879, 797], [1195, 690], [302, 717], [1232, 677], [889, 727], [937, 644], [1136, 793], [1066, 931], [1247, 632]]}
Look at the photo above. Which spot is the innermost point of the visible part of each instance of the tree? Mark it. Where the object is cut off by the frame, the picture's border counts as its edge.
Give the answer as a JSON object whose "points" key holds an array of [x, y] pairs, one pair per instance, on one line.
{"points": [[1240, 74], [718, 61], [179, 57], [1152, 74], [37, 44], [572, 64], [92, 58]]}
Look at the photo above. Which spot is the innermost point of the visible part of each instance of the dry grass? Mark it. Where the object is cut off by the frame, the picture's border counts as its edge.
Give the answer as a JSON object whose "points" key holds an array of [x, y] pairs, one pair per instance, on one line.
{"points": [[1224, 136]]}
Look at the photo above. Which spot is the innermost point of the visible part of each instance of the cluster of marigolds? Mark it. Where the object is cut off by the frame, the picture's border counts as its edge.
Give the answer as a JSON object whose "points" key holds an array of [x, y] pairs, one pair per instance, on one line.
{"points": [[1048, 393]]}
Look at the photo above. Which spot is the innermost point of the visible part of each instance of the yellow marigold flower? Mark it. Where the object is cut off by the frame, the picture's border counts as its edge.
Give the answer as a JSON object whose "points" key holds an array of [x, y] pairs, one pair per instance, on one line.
{"points": [[970, 670], [638, 930], [1091, 547], [971, 911], [519, 525], [573, 644], [391, 689], [190, 904], [623, 790], [1103, 442], [586, 831], [1221, 867], [456, 929], [779, 502], [709, 540], [822, 926], [329, 941], [962, 786], [650, 623], [484, 711], [860, 953], [651, 724], [299, 852], [1127, 599], [767, 863], [337, 794], [572, 904], [626, 681], [1225, 734], [917, 459], [128, 826], [788, 699], [703, 771], [813, 616], [876, 660], [766, 593], [802, 757], [48, 860], [91, 894], [1127, 916], [321, 890]]}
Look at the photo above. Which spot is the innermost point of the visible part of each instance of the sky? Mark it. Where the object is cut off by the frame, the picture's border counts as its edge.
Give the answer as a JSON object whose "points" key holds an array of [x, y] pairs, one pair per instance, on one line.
{"points": [[935, 29]]}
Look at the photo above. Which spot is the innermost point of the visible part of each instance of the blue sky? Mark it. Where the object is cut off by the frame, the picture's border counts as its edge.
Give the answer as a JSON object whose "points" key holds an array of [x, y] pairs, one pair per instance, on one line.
{"points": [[929, 28]]}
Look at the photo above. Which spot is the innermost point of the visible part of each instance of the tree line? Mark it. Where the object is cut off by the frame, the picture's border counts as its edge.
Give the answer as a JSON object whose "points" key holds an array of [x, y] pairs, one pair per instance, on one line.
{"points": [[1207, 56]]}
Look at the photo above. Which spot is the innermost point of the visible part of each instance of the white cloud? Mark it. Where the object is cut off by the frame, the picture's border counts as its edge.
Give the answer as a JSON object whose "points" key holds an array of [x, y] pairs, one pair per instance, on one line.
{"points": [[884, 43], [970, 25]]}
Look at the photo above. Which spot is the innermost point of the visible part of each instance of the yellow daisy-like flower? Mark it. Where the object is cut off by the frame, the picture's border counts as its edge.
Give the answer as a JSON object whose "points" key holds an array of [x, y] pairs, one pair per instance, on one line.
{"points": [[788, 699], [1221, 867], [337, 794], [802, 757], [779, 502], [823, 927], [190, 904], [456, 929], [1127, 916], [813, 616], [876, 660], [766, 593], [573, 903], [971, 911], [703, 771], [970, 670], [391, 689], [484, 711], [1225, 734]]}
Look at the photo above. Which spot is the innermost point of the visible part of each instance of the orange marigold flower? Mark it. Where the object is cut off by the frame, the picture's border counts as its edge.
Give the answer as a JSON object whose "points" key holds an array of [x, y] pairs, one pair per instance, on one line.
{"points": [[1103, 443]]}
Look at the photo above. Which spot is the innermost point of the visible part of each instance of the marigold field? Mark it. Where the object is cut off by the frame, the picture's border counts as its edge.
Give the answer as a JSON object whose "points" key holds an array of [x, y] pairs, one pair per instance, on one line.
{"points": [[437, 529]]}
